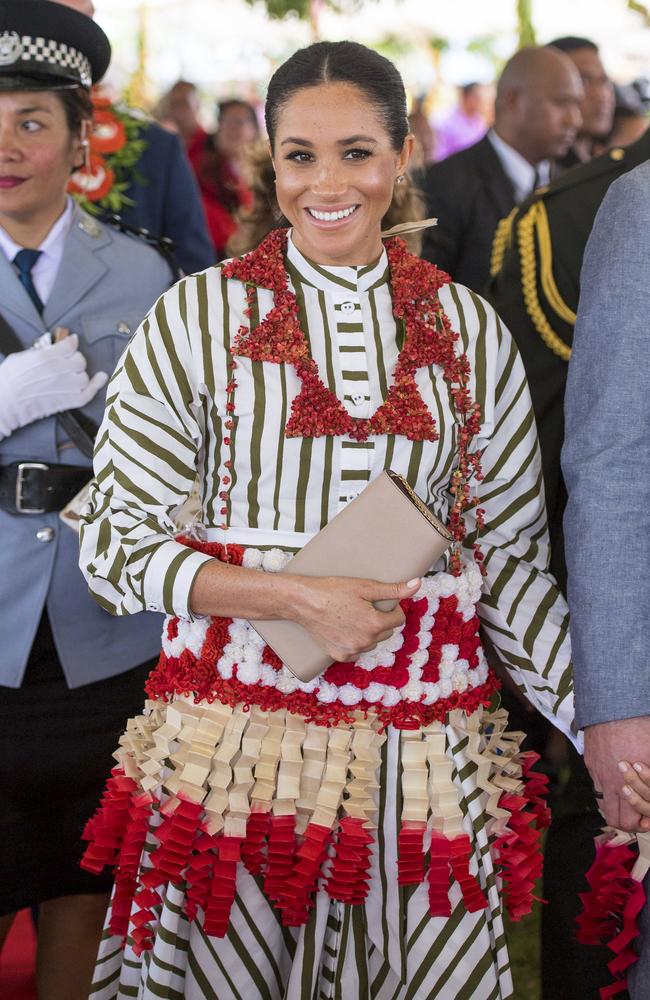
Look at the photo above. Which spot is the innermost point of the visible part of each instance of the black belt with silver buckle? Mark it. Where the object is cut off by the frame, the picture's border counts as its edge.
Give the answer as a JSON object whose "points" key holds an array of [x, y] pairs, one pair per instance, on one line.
{"points": [[38, 487]]}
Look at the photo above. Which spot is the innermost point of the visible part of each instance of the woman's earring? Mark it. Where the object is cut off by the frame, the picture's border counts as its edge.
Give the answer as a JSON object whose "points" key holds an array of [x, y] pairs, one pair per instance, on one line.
{"points": [[399, 179]]}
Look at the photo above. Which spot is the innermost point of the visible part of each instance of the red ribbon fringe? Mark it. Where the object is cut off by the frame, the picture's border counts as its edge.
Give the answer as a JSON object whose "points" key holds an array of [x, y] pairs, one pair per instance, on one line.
{"points": [[292, 866], [610, 910]]}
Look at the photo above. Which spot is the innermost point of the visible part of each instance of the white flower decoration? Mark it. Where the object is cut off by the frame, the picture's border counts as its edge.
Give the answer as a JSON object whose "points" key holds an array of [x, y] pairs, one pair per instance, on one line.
{"points": [[374, 693], [349, 694], [252, 559]]}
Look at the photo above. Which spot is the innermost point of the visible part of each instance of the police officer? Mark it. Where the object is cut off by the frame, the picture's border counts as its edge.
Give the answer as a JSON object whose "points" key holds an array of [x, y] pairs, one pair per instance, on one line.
{"points": [[71, 292], [537, 258]]}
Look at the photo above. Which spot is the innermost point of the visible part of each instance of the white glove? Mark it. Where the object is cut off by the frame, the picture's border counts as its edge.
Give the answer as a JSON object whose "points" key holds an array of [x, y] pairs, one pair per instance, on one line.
{"points": [[37, 383]]}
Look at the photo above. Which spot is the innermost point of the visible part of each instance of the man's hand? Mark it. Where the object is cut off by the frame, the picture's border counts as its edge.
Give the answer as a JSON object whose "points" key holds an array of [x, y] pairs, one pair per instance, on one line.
{"points": [[608, 745]]}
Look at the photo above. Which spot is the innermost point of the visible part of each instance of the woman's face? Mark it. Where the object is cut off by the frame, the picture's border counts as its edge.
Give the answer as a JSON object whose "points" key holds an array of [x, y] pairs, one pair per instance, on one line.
{"points": [[37, 155], [236, 130], [335, 169]]}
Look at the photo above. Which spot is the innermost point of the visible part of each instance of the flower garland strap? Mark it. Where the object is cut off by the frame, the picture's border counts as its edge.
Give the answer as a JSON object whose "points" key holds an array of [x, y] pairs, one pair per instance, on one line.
{"points": [[429, 340]]}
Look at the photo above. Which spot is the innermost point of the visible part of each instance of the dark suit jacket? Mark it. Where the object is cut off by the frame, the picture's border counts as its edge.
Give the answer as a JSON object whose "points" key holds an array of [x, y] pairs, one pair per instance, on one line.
{"points": [[167, 199], [469, 193]]}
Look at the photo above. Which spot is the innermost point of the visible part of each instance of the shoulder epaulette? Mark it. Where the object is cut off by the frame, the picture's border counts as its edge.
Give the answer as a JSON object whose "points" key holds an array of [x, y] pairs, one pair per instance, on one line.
{"points": [[501, 242], [534, 238], [582, 173]]}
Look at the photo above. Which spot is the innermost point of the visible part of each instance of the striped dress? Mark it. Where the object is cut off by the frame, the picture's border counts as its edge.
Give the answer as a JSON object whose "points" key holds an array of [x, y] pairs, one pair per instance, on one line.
{"points": [[167, 422]]}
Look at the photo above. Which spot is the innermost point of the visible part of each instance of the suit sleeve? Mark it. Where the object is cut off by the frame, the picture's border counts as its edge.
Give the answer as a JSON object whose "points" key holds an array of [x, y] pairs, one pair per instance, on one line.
{"points": [[183, 215], [606, 461]]}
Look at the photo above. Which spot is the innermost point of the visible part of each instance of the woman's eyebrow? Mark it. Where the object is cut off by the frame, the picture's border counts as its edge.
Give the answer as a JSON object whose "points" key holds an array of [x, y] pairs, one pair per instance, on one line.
{"points": [[356, 138], [32, 109], [339, 142]]}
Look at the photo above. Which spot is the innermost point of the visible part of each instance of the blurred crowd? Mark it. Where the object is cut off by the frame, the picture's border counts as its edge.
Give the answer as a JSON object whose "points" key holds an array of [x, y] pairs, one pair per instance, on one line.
{"points": [[533, 116]]}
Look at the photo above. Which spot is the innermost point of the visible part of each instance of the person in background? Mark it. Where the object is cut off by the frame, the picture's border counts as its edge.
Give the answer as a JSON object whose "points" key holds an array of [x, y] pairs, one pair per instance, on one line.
{"points": [[220, 165], [535, 288], [72, 290], [597, 107], [161, 195], [537, 117], [178, 111], [467, 123], [425, 141], [631, 119], [606, 463]]}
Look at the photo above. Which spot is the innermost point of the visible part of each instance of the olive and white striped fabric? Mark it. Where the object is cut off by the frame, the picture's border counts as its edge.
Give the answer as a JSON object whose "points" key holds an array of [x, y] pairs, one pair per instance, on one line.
{"points": [[164, 422], [387, 949]]}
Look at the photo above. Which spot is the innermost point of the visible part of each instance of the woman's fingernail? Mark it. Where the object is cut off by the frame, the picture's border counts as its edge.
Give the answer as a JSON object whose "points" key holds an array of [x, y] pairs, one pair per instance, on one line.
{"points": [[412, 583], [627, 790], [638, 768], [622, 766]]}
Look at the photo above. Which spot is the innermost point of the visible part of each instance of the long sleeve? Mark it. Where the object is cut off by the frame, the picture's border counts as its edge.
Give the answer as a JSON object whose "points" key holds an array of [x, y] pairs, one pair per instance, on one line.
{"points": [[145, 467], [522, 610], [606, 461]]}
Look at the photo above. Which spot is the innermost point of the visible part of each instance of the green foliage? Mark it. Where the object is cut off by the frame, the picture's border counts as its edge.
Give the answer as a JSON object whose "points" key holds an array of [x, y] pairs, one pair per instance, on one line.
{"points": [[640, 8], [280, 8], [525, 22]]}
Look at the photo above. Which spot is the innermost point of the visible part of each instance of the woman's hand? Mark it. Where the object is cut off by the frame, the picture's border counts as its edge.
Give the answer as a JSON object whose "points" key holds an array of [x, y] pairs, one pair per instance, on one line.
{"points": [[637, 790], [338, 612]]}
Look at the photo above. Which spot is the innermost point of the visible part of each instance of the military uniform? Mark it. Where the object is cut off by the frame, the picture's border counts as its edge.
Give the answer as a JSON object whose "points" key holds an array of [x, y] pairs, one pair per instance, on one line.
{"points": [[536, 262], [535, 286]]}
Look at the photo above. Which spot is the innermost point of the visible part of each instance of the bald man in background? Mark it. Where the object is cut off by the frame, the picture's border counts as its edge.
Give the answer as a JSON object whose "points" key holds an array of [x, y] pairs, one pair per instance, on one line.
{"points": [[537, 118]]}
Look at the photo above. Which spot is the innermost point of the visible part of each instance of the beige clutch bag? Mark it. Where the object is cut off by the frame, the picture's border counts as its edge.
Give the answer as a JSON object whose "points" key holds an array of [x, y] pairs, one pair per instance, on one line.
{"points": [[386, 534]]}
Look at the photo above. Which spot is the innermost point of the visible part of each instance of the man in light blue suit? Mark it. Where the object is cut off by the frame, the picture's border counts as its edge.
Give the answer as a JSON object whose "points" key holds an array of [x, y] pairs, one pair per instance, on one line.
{"points": [[606, 463]]}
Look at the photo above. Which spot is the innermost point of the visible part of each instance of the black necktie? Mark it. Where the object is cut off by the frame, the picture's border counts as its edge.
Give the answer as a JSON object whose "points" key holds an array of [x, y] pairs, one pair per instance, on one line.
{"points": [[536, 180], [24, 262]]}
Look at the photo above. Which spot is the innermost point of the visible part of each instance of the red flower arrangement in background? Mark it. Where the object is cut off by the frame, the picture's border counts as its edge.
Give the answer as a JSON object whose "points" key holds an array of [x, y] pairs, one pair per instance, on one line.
{"points": [[115, 147]]}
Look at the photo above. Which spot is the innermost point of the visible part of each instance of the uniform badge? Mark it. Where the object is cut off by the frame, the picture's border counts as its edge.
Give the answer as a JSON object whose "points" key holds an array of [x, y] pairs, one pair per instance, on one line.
{"points": [[11, 48], [89, 226]]}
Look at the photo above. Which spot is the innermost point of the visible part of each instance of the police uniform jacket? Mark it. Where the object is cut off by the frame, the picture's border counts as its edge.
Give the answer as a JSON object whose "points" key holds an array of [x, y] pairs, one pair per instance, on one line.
{"points": [[105, 285], [535, 288]]}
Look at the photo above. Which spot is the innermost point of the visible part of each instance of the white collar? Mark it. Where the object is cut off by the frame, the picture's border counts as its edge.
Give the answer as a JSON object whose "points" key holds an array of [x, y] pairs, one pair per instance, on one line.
{"points": [[338, 279], [52, 246], [519, 170]]}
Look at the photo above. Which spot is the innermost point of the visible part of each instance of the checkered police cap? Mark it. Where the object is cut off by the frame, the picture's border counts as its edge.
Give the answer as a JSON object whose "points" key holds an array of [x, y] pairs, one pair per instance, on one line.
{"points": [[45, 45]]}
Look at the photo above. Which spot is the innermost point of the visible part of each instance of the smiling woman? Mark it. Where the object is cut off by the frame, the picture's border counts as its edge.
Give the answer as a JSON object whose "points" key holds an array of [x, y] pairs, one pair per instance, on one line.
{"points": [[338, 148], [350, 835]]}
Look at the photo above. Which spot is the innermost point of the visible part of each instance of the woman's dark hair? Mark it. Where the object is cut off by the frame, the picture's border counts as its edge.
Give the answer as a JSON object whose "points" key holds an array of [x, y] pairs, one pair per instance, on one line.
{"points": [[342, 62], [223, 107], [77, 106]]}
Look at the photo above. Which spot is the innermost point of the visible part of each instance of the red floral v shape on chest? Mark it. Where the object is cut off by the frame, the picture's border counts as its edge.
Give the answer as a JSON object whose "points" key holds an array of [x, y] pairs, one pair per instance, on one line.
{"points": [[429, 340], [317, 411]]}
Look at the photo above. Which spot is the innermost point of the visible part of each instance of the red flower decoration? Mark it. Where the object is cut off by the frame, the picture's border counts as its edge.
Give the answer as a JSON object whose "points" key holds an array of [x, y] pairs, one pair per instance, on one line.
{"points": [[109, 134], [94, 181]]}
